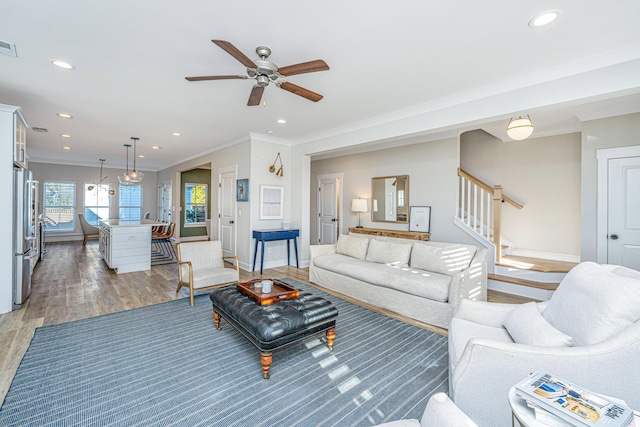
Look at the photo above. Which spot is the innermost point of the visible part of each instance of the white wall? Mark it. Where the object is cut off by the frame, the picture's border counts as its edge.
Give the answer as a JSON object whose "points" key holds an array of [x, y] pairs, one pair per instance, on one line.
{"points": [[86, 174], [543, 175], [620, 131], [432, 169]]}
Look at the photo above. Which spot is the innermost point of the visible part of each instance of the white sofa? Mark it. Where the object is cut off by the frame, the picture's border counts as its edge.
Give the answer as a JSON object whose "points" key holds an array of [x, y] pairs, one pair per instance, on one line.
{"points": [[422, 280], [587, 333]]}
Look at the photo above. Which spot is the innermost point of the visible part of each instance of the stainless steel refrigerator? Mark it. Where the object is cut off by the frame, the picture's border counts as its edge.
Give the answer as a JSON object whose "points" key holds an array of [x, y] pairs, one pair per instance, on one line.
{"points": [[25, 202]]}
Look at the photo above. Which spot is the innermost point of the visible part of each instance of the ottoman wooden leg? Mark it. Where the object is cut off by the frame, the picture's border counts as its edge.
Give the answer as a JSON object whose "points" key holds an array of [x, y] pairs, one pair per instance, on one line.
{"points": [[331, 336], [265, 361], [216, 320]]}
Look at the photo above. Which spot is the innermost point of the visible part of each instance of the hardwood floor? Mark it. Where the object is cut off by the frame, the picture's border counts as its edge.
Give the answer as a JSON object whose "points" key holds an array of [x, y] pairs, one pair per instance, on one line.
{"points": [[72, 282]]}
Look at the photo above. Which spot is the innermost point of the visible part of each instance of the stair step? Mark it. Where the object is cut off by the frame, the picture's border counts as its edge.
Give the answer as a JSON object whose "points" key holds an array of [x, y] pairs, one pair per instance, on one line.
{"points": [[547, 286], [536, 264]]}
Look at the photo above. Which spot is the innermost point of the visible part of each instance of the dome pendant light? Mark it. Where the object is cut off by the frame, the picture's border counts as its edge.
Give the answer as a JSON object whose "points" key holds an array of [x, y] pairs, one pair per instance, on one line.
{"points": [[520, 128]]}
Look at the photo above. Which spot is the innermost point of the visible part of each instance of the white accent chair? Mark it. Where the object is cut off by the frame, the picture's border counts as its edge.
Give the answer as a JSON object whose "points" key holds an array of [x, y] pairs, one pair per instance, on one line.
{"points": [[587, 333], [440, 412], [88, 231], [201, 267]]}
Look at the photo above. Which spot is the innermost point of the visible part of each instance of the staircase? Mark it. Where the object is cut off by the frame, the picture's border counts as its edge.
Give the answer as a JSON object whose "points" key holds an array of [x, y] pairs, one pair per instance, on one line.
{"points": [[479, 214]]}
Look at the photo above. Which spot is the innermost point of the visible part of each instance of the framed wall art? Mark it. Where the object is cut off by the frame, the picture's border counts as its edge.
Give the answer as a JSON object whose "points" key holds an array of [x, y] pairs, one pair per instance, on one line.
{"points": [[271, 202], [420, 218], [242, 190]]}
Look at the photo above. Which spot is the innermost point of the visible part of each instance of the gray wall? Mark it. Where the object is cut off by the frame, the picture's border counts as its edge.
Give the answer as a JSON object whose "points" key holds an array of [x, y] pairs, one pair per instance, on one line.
{"points": [[432, 169], [543, 175]]}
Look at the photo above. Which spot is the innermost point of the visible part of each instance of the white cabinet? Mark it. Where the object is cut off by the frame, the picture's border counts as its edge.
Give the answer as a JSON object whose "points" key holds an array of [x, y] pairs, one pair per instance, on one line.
{"points": [[126, 245], [20, 139]]}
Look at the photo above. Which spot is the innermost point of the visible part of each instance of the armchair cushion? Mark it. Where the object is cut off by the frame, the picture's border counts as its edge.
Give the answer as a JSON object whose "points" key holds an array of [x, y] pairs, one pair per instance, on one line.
{"points": [[594, 302], [526, 325], [352, 246], [467, 330]]}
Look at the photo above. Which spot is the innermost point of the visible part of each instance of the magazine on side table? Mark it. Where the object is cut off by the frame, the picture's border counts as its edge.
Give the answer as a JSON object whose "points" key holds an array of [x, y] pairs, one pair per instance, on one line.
{"points": [[572, 403]]}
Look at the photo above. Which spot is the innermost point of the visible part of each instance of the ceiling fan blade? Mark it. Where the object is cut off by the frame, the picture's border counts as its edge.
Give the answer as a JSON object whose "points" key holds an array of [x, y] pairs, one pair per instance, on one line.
{"points": [[197, 79], [235, 52], [300, 91], [256, 96], [304, 67]]}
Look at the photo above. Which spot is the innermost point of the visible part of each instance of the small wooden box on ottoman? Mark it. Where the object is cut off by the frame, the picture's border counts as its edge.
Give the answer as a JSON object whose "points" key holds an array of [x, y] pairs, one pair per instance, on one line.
{"points": [[275, 325]]}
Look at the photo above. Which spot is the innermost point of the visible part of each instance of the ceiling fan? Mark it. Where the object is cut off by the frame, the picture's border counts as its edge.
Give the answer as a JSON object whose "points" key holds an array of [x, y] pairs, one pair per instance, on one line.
{"points": [[264, 71]]}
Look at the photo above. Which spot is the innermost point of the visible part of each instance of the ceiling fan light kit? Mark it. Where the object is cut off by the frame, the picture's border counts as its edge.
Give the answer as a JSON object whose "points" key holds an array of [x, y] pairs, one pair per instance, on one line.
{"points": [[520, 128], [264, 71]]}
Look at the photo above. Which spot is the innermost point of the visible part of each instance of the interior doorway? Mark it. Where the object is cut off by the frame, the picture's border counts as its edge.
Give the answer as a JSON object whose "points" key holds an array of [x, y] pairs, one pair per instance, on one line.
{"points": [[227, 209], [329, 203], [618, 236]]}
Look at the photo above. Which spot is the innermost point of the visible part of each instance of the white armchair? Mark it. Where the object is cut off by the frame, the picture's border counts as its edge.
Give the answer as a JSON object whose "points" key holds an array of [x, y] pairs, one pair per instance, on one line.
{"points": [[440, 412], [587, 333], [201, 266]]}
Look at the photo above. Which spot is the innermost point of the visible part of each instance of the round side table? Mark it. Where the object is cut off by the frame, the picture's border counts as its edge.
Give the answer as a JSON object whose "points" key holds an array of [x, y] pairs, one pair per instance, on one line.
{"points": [[520, 412]]}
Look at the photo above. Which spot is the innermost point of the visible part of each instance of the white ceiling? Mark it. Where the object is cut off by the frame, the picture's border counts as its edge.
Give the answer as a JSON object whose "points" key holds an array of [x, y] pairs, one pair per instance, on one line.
{"points": [[387, 59]]}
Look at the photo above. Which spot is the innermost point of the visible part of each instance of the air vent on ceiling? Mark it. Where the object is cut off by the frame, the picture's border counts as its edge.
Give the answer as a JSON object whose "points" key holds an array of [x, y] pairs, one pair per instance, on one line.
{"points": [[36, 129], [8, 48]]}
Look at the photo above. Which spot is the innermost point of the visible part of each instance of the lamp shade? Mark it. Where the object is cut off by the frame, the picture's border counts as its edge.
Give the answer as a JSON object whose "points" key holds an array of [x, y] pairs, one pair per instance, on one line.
{"points": [[520, 128], [359, 205]]}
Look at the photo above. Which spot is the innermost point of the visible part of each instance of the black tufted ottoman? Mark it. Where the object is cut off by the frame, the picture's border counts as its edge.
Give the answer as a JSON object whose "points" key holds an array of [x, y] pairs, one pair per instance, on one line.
{"points": [[272, 326]]}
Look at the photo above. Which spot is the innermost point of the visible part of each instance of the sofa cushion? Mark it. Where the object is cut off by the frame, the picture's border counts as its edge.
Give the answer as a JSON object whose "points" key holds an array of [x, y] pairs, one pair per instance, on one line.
{"points": [[353, 246], [409, 280], [526, 325], [594, 302], [444, 258], [385, 252]]}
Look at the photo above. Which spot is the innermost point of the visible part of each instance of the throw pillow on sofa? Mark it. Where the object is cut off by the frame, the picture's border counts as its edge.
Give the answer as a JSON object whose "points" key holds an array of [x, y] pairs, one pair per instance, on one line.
{"points": [[526, 325], [594, 302], [444, 258], [352, 246], [386, 252]]}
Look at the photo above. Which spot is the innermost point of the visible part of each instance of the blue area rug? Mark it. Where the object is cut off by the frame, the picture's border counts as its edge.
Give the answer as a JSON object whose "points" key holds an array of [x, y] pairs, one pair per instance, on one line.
{"points": [[167, 365]]}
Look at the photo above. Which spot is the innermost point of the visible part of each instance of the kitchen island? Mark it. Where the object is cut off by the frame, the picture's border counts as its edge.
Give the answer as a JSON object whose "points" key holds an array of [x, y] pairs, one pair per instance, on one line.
{"points": [[126, 244]]}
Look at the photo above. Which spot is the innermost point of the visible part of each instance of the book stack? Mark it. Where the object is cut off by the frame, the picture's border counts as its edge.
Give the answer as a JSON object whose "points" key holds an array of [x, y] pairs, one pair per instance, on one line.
{"points": [[559, 403]]}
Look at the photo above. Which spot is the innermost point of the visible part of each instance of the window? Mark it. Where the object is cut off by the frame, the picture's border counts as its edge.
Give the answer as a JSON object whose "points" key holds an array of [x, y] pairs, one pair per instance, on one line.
{"points": [[97, 202], [129, 201], [60, 205], [195, 201]]}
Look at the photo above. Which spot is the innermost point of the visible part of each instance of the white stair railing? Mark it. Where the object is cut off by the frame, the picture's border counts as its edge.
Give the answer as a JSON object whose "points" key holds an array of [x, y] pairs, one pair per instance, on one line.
{"points": [[480, 208]]}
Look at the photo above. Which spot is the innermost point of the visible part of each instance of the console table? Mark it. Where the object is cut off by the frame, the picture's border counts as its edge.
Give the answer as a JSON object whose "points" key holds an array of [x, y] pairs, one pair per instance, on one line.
{"points": [[273, 235], [413, 235]]}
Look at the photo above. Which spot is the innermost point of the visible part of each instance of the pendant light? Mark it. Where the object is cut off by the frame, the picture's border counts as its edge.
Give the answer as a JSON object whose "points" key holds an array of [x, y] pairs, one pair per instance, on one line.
{"points": [[135, 177], [125, 179], [97, 185]]}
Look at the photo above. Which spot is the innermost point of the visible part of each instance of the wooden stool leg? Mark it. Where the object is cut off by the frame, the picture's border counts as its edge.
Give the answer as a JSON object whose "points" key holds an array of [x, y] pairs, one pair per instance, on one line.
{"points": [[216, 319], [265, 361], [331, 336]]}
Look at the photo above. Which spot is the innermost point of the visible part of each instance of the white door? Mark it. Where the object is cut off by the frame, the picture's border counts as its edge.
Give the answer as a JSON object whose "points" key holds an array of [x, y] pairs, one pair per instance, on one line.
{"points": [[623, 231], [328, 209], [227, 209]]}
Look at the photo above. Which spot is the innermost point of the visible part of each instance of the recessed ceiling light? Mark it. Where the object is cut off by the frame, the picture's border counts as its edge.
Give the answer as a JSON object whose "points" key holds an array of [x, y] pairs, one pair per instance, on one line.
{"points": [[62, 64], [155, 147], [545, 18], [65, 115], [281, 121], [176, 134], [66, 148], [141, 156], [65, 135]]}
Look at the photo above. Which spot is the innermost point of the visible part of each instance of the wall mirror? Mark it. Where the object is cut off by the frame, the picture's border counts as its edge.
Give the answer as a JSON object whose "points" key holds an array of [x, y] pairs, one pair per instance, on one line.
{"points": [[390, 199], [271, 202]]}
